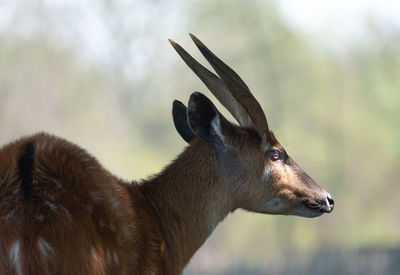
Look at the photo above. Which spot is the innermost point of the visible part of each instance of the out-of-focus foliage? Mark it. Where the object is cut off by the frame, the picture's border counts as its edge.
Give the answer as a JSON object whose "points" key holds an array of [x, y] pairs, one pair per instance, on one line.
{"points": [[336, 112]]}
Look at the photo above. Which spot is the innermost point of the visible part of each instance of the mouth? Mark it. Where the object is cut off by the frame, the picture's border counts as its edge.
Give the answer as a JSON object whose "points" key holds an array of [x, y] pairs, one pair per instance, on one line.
{"points": [[311, 210], [323, 208]]}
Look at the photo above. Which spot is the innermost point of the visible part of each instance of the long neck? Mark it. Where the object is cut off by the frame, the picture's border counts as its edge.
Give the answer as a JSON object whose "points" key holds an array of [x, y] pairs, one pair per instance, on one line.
{"points": [[189, 198]]}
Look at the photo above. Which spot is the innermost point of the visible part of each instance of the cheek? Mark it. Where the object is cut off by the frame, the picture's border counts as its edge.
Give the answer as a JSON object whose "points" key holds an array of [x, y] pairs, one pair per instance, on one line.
{"points": [[274, 173], [283, 176], [275, 204], [281, 187], [266, 173]]}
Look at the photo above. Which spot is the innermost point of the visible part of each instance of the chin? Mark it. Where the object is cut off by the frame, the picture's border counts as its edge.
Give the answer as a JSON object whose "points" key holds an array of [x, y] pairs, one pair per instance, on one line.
{"points": [[306, 212]]}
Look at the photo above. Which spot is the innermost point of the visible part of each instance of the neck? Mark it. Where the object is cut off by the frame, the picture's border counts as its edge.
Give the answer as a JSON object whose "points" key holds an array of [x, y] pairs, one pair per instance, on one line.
{"points": [[189, 199]]}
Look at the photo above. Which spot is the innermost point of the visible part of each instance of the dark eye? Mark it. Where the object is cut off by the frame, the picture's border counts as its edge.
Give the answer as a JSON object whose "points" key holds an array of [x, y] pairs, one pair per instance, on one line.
{"points": [[275, 155]]}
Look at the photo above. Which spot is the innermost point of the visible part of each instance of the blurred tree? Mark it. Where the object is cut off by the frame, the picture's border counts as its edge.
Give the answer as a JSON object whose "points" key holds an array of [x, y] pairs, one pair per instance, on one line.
{"points": [[105, 70]]}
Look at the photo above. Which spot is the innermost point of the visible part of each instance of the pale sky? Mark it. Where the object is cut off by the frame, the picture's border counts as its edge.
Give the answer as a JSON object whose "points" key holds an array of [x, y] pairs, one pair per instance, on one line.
{"points": [[342, 17], [332, 20]]}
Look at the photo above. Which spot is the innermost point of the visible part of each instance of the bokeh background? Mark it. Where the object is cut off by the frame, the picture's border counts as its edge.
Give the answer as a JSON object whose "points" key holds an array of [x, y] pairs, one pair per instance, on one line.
{"points": [[103, 75]]}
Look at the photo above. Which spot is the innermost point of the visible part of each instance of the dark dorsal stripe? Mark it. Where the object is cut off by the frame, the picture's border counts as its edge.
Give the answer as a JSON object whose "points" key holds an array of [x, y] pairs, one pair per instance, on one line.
{"points": [[25, 167]]}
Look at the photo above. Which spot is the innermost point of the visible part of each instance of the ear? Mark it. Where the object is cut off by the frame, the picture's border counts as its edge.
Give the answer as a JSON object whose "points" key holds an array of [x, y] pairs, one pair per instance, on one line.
{"points": [[179, 111], [205, 120]]}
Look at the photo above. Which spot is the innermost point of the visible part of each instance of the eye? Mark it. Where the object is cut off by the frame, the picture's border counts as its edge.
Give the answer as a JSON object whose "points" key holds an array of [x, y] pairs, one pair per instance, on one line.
{"points": [[275, 155]]}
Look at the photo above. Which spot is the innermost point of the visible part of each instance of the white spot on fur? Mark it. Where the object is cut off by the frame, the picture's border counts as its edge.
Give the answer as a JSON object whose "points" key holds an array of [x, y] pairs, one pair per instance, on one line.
{"points": [[98, 264], [108, 257], [39, 218], [215, 123], [115, 257], [45, 249], [89, 207], [9, 216], [15, 257], [66, 212], [115, 202], [275, 204], [266, 173], [96, 196], [51, 205]]}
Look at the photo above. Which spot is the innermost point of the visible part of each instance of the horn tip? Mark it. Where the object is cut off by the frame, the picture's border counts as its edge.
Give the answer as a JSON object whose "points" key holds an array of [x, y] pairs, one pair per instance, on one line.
{"points": [[192, 35], [203, 49], [176, 46], [195, 39], [172, 42]]}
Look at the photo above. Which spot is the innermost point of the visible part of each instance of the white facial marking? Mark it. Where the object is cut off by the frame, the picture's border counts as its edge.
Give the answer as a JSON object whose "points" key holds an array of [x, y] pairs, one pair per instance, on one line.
{"points": [[266, 173], [215, 123], [275, 204], [15, 257], [45, 249]]}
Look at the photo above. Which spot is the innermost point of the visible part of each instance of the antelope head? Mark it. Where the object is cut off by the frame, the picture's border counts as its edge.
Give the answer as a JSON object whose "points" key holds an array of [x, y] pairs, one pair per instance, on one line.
{"points": [[262, 176]]}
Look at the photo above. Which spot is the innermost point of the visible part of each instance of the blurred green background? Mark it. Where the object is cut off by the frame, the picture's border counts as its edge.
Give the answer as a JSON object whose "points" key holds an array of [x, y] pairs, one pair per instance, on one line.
{"points": [[103, 75]]}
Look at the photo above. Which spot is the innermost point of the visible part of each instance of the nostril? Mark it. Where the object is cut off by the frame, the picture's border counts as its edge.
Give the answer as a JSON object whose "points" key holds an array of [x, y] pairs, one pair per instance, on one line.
{"points": [[331, 201]]}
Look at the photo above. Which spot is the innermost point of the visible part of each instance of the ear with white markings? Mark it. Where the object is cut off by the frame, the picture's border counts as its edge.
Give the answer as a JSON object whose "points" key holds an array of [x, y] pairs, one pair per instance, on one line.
{"points": [[206, 122]]}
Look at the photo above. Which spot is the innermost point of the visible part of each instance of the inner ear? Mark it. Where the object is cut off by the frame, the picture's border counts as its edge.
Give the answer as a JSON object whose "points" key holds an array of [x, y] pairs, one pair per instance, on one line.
{"points": [[205, 120], [179, 115]]}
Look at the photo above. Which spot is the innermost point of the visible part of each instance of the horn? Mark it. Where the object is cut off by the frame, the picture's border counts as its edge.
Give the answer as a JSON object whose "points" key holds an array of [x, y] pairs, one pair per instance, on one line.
{"points": [[216, 86], [228, 88], [237, 87]]}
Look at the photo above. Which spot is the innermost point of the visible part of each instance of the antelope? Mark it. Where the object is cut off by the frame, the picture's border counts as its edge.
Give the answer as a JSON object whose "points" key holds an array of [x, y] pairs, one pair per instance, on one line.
{"points": [[63, 213]]}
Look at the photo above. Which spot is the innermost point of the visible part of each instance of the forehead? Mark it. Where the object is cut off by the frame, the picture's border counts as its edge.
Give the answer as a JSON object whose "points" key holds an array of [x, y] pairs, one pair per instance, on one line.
{"points": [[273, 142], [251, 136]]}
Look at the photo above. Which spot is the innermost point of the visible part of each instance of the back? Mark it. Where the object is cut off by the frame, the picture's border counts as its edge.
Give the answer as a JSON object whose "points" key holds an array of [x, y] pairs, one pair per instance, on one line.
{"points": [[60, 211]]}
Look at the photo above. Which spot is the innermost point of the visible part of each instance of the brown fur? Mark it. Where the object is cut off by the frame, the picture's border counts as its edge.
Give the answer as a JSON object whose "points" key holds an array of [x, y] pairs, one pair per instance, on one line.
{"points": [[63, 213], [86, 215], [80, 219]]}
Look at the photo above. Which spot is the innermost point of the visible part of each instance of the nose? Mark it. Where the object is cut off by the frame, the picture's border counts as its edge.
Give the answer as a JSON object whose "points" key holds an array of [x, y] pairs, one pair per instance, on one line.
{"points": [[330, 203]]}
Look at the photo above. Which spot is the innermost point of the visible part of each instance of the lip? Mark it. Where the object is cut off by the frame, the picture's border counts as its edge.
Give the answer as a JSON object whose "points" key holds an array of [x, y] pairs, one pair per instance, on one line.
{"points": [[310, 210], [323, 208], [306, 211]]}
